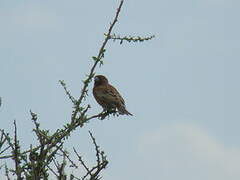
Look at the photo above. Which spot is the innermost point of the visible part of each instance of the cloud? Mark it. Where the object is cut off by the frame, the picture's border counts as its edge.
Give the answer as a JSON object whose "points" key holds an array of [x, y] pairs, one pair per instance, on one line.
{"points": [[185, 151]]}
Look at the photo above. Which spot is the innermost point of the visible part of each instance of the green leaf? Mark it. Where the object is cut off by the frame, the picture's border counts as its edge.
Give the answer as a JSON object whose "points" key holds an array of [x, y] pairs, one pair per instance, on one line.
{"points": [[95, 58]]}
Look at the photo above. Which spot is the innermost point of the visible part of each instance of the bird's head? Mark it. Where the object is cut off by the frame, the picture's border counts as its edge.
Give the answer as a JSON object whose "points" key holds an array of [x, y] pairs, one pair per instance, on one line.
{"points": [[100, 80]]}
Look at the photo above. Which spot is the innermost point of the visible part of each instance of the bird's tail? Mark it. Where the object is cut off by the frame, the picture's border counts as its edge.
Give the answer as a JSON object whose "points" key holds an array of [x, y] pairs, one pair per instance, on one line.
{"points": [[122, 110]]}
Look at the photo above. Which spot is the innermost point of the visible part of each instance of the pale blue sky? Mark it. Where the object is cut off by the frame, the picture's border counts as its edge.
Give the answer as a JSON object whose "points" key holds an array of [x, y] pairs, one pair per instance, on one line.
{"points": [[182, 87]]}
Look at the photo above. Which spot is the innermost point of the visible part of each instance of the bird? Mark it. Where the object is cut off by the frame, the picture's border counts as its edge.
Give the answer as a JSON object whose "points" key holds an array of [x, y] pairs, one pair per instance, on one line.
{"points": [[107, 96]]}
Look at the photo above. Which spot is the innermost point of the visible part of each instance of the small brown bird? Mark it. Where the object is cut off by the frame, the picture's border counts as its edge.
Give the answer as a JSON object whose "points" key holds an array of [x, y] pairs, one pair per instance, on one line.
{"points": [[107, 96]]}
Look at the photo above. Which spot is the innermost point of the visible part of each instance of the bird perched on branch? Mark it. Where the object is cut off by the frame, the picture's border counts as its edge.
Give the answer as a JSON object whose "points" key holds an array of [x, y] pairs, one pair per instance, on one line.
{"points": [[108, 96]]}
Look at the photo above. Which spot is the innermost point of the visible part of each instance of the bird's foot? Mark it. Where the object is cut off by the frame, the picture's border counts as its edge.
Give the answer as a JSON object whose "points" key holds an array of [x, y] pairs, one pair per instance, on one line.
{"points": [[106, 113]]}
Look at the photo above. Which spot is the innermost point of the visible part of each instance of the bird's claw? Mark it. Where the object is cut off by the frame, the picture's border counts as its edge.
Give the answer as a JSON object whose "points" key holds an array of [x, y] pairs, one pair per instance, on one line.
{"points": [[106, 113]]}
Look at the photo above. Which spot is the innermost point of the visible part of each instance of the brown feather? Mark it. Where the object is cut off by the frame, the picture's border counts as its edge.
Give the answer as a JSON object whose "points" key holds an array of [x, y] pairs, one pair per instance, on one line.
{"points": [[108, 96]]}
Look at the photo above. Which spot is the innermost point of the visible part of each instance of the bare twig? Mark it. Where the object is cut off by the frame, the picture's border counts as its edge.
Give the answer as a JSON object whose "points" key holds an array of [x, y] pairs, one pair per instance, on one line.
{"points": [[7, 172], [16, 153], [101, 162], [67, 91], [3, 141], [96, 148], [82, 162]]}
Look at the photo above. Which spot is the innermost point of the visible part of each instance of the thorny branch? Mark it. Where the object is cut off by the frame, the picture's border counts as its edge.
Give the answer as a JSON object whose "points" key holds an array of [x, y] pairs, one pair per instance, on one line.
{"points": [[96, 61], [43, 158], [61, 134], [16, 153], [101, 162], [114, 37], [3, 141]]}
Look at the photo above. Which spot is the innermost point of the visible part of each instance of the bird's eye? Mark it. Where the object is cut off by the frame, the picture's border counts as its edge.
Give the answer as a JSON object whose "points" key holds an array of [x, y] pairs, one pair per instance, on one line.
{"points": [[96, 78]]}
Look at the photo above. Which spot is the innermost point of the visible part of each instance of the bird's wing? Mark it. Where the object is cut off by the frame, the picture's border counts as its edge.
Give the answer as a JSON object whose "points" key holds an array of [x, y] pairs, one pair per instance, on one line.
{"points": [[110, 94], [113, 91]]}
